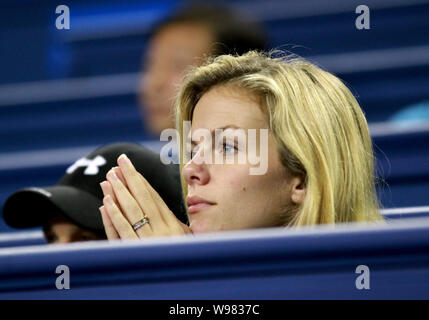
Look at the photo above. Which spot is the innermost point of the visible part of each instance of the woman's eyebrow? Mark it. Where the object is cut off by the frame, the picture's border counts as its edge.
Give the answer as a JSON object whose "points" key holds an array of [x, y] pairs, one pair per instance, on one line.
{"points": [[213, 131], [233, 126]]}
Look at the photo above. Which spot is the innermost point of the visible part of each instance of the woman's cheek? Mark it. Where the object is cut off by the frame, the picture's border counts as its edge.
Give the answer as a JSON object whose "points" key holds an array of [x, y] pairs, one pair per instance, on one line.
{"points": [[237, 175]]}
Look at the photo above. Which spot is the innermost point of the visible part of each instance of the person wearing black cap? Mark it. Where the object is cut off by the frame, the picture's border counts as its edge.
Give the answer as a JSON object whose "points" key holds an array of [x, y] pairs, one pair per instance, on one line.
{"points": [[69, 210]]}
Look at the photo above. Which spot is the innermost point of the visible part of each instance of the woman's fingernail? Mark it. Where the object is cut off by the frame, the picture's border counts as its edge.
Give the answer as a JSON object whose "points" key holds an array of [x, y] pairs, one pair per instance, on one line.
{"points": [[123, 160], [113, 174]]}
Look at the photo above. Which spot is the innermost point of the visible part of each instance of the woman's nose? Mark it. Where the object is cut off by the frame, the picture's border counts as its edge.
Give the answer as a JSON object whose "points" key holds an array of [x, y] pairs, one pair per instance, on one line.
{"points": [[195, 173]]}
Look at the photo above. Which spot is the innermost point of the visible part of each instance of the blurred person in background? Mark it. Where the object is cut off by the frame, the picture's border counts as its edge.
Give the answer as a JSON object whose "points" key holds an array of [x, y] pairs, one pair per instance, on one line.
{"points": [[185, 39], [69, 211]]}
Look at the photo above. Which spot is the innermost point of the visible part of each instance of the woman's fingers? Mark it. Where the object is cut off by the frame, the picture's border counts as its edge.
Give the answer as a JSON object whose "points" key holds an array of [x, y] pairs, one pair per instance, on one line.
{"points": [[168, 217], [129, 206], [107, 189], [166, 222], [128, 197], [121, 225], [141, 193], [111, 232], [120, 176]]}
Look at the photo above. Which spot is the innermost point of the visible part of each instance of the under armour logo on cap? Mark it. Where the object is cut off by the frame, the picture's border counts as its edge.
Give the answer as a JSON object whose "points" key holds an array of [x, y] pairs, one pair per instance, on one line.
{"points": [[91, 165]]}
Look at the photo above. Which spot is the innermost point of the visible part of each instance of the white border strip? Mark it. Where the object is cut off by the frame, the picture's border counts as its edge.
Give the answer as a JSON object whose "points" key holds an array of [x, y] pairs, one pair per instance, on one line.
{"points": [[14, 236], [108, 25], [60, 156], [239, 235], [399, 211], [68, 89], [275, 9], [127, 83], [374, 60], [380, 129], [64, 156]]}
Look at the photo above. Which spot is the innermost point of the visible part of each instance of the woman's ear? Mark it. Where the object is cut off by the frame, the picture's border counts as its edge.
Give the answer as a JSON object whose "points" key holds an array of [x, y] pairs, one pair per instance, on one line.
{"points": [[297, 190]]}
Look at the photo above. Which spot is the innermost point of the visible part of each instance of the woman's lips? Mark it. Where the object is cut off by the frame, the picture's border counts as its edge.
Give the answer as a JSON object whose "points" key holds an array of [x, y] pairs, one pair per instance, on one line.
{"points": [[198, 206], [196, 203]]}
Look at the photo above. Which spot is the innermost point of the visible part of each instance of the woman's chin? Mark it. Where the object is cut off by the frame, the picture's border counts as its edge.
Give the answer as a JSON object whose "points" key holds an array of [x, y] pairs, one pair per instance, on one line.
{"points": [[198, 226]]}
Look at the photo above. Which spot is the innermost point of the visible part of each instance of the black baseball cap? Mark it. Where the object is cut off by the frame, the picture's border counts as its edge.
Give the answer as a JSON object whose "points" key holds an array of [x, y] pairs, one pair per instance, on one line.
{"points": [[78, 194]]}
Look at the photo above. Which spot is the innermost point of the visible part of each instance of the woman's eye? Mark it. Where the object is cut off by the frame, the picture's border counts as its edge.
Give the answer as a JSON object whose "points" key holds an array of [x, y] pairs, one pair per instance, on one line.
{"points": [[227, 148], [193, 152]]}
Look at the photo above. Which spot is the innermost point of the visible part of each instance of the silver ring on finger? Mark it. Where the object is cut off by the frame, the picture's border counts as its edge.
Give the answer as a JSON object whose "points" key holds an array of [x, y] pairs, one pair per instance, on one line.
{"points": [[140, 223]]}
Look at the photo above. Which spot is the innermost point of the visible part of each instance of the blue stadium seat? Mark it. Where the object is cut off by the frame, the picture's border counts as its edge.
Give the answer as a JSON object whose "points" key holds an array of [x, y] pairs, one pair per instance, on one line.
{"points": [[311, 263], [402, 162], [406, 213], [26, 238]]}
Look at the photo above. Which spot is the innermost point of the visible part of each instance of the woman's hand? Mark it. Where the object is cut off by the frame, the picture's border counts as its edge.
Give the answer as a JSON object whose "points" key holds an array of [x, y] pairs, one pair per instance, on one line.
{"points": [[128, 199]]}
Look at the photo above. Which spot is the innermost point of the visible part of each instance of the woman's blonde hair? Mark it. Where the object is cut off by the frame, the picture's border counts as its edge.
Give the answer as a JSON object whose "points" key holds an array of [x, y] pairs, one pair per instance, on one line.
{"points": [[320, 129]]}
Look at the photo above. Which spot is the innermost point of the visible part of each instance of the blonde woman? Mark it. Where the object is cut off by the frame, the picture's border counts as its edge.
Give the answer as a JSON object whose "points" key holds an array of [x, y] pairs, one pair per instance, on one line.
{"points": [[320, 167]]}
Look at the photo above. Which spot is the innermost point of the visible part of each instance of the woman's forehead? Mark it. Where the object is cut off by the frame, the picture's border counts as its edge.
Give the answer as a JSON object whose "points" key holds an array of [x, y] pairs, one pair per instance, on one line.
{"points": [[228, 106]]}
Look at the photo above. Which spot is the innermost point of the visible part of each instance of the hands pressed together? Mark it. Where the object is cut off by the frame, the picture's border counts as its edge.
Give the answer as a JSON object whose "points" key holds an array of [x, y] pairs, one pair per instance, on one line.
{"points": [[133, 209]]}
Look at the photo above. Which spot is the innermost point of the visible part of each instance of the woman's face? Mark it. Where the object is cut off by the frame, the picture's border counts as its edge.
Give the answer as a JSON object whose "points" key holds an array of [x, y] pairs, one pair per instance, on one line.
{"points": [[237, 199]]}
